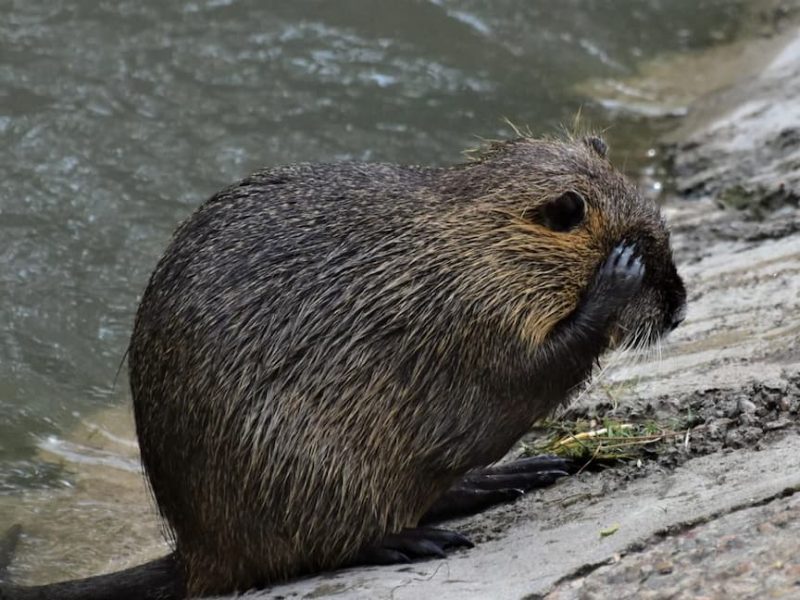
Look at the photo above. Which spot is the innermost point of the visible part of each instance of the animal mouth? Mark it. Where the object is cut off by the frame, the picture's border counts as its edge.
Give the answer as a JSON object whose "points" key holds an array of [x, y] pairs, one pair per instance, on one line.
{"points": [[621, 337], [640, 336], [677, 318], [645, 329]]}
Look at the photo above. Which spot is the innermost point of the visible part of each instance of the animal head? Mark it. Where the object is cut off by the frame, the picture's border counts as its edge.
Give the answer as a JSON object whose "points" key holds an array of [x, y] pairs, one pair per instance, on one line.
{"points": [[552, 211]]}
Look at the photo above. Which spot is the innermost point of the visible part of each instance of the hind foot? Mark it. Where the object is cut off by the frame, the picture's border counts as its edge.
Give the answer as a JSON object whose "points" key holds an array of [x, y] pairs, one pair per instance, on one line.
{"points": [[483, 488], [411, 544]]}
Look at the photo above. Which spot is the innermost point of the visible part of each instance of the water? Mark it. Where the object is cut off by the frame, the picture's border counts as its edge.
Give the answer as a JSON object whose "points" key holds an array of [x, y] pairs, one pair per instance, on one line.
{"points": [[117, 118]]}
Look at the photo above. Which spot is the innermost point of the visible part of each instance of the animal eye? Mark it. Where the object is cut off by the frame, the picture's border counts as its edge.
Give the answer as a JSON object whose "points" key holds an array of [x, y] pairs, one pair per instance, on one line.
{"points": [[564, 212]]}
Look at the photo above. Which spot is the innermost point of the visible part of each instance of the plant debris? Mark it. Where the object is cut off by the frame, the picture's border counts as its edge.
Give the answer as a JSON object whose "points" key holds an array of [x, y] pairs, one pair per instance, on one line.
{"points": [[606, 442], [611, 530]]}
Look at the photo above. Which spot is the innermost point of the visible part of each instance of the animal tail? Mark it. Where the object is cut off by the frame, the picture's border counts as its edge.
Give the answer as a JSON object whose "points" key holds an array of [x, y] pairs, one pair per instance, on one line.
{"points": [[160, 579], [8, 546]]}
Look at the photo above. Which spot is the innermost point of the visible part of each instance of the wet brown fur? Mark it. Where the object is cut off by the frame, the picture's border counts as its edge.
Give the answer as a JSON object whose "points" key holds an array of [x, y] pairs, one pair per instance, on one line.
{"points": [[324, 349]]}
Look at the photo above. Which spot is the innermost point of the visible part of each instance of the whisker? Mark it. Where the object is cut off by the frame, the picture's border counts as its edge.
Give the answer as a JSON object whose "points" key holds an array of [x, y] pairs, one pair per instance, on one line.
{"points": [[636, 348]]}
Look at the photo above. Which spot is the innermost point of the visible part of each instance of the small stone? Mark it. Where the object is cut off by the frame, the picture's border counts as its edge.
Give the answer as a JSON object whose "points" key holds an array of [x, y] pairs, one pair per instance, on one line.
{"points": [[746, 406], [728, 542], [782, 519], [779, 423], [668, 593], [793, 570], [748, 418], [753, 434], [589, 594], [733, 439], [766, 528], [631, 574], [664, 567]]}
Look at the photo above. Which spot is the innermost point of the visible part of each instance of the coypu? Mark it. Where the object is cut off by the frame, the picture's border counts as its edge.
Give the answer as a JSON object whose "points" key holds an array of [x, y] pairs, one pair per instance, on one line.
{"points": [[328, 356]]}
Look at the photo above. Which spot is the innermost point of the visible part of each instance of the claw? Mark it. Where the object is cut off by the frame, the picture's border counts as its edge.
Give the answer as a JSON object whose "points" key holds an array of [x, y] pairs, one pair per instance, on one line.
{"points": [[545, 462], [523, 481], [623, 271], [411, 544], [497, 485], [384, 556]]}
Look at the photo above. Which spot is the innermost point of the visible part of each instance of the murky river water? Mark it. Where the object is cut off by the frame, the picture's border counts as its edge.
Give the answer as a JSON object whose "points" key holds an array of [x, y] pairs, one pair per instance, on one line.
{"points": [[117, 118]]}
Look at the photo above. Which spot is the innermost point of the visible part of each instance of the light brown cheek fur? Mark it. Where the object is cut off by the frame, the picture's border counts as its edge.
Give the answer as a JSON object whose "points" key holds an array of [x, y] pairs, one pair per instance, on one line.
{"points": [[580, 250]]}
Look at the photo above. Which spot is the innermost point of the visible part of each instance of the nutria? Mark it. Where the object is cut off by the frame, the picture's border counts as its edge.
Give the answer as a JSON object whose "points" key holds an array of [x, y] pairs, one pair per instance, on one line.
{"points": [[326, 353]]}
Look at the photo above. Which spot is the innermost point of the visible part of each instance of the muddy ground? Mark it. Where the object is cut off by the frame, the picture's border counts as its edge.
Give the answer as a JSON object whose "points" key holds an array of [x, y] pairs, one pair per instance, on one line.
{"points": [[709, 513]]}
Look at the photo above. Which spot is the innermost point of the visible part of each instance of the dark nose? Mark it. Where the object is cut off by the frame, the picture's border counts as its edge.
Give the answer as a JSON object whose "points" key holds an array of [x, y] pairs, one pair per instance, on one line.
{"points": [[675, 298], [678, 317]]}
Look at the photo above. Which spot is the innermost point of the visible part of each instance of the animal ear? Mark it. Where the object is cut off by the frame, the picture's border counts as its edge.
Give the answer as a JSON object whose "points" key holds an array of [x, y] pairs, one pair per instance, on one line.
{"points": [[562, 213], [597, 145]]}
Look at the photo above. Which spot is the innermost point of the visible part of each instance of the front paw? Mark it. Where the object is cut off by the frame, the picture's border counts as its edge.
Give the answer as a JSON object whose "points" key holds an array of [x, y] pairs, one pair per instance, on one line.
{"points": [[621, 275]]}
